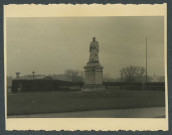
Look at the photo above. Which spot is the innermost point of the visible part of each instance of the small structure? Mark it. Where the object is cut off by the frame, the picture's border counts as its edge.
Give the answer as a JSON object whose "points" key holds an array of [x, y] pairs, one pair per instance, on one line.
{"points": [[93, 70]]}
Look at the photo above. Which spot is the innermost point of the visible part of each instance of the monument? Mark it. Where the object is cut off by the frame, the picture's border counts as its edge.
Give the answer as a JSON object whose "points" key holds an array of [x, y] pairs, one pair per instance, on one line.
{"points": [[93, 70]]}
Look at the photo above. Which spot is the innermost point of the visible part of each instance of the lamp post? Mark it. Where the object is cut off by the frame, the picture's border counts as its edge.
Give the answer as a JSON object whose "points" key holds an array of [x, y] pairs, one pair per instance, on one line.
{"points": [[154, 77], [146, 61], [33, 74], [17, 75], [121, 77]]}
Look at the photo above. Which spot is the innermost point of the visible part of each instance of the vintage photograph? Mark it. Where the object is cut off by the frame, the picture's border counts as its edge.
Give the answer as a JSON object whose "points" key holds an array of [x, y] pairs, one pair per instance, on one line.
{"points": [[86, 67]]}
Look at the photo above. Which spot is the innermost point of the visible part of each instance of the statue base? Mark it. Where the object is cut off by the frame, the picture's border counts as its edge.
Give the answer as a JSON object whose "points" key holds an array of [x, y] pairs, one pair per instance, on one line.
{"points": [[93, 77], [93, 87]]}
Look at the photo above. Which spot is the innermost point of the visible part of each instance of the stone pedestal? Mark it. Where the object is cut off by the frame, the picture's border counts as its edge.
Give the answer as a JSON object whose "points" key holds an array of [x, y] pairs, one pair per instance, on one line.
{"points": [[93, 77]]}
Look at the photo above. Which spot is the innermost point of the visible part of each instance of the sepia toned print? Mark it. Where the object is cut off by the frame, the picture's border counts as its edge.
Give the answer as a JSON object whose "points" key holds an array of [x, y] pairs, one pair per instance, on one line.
{"points": [[91, 68]]}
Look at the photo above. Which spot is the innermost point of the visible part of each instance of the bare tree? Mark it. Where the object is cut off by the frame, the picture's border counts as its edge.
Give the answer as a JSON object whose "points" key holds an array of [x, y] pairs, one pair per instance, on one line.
{"points": [[73, 75], [133, 74]]}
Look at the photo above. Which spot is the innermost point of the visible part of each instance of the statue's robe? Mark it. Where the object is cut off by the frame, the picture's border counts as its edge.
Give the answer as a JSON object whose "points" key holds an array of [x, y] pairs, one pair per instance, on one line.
{"points": [[94, 49]]}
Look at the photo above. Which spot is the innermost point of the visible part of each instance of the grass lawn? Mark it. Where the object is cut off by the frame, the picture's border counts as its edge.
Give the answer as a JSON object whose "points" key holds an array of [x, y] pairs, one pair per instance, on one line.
{"points": [[53, 102]]}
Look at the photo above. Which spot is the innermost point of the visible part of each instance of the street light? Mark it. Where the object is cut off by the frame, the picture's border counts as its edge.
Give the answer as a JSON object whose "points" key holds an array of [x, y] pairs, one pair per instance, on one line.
{"points": [[33, 74], [146, 61]]}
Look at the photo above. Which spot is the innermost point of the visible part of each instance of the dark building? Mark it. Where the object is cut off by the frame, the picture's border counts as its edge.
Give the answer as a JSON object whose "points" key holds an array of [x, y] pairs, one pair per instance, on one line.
{"points": [[44, 85]]}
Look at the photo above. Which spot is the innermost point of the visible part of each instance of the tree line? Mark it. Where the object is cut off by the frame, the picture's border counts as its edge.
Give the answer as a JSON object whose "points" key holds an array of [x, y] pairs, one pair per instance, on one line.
{"points": [[127, 74]]}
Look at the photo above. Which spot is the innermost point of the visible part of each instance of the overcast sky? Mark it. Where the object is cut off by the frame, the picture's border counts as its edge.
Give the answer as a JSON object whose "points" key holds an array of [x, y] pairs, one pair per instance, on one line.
{"points": [[51, 45]]}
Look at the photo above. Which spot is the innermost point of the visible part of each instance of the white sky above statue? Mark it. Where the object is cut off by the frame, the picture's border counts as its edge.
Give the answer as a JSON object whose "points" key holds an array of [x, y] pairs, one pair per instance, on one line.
{"points": [[51, 45]]}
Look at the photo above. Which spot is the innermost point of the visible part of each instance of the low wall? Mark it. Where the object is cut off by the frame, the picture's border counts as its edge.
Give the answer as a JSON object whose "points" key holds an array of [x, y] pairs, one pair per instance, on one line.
{"points": [[135, 85]]}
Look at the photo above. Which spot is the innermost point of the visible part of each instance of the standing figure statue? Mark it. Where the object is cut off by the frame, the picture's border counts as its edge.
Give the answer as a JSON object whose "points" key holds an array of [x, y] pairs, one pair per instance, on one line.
{"points": [[94, 49]]}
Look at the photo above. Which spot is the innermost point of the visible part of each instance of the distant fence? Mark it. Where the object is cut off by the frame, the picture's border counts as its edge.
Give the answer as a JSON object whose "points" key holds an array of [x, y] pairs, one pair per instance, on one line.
{"points": [[58, 85]]}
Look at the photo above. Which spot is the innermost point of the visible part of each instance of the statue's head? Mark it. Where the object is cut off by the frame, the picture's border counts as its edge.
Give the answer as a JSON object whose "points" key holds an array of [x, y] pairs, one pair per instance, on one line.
{"points": [[94, 38]]}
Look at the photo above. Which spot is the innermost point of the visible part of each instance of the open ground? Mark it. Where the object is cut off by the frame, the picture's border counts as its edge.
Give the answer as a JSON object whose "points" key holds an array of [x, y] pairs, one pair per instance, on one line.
{"points": [[59, 102]]}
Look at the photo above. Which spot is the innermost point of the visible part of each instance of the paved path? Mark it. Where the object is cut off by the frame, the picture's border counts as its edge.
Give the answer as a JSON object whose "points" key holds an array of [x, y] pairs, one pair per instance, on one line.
{"points": [[152, 112]]}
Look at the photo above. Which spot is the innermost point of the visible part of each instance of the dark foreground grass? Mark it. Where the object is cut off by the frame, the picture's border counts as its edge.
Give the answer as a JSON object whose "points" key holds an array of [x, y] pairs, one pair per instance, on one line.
{"points": [[53, 102]]}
